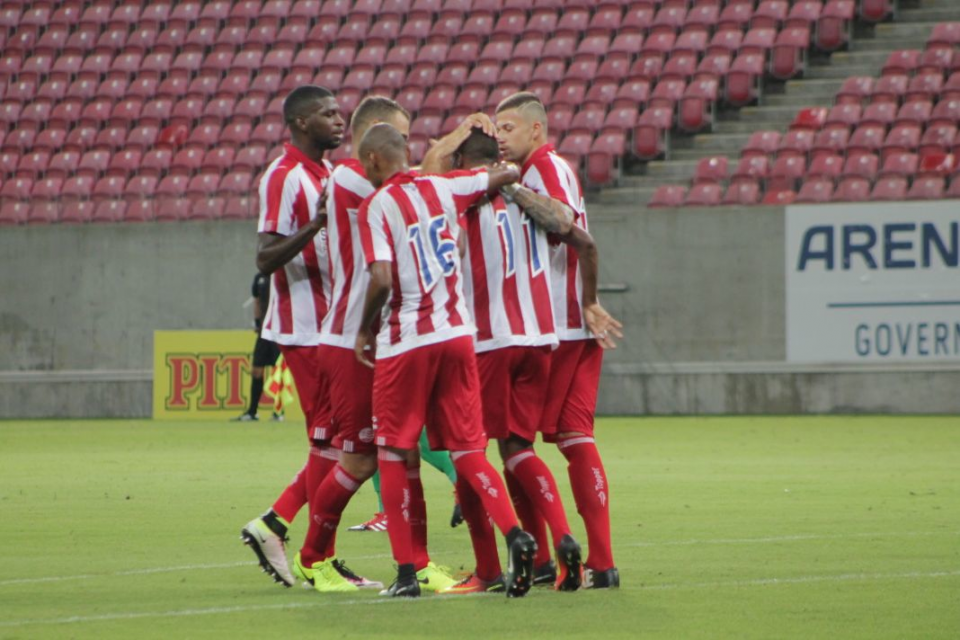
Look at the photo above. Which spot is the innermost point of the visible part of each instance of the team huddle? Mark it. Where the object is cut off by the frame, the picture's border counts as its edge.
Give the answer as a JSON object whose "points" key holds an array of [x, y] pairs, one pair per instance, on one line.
{"points": [[460, 299]]}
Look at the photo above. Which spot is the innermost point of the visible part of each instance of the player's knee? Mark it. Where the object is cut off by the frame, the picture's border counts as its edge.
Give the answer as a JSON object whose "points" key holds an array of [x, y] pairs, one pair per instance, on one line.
{"points": [[359, 465], [513, 445]]}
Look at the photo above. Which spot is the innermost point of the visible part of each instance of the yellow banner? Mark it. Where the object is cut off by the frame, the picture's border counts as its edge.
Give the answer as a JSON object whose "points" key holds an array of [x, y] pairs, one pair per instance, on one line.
{"points": [[205, 375]]}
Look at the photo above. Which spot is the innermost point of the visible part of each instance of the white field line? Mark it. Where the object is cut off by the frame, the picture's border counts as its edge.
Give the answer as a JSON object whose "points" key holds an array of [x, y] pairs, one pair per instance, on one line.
{"points": [[762, 582], [667, 543]]}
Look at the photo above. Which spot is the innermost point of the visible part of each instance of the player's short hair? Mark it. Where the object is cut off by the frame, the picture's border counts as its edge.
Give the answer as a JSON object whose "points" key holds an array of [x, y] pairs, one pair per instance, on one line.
{"points": [[383, 139], [527, 103], [479, 147], [298, 100], [375, 109]]}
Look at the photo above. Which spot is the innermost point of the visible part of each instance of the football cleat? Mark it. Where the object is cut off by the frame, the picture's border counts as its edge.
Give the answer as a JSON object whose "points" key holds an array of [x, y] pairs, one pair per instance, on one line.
{"points": [[277, 417], [609, 579], [302, 573], [570, 575], [327, 579], [407, 588], [519, 575], [358, 581], [270, 550], [434, 578], [545, 573], [377, 523], [473, 584], [245, 417]]}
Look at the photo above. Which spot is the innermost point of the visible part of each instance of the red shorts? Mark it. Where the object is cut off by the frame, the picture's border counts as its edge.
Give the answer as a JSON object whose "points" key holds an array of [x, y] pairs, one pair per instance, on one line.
{"points": [[312, 388], [574, 379], [351, 400], [513, 386], [437, 386]]}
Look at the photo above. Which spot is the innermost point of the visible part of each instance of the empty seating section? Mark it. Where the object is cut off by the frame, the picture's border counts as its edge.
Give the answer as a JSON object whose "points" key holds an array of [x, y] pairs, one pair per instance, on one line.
{"points": [[887, 138], [137, 110]]}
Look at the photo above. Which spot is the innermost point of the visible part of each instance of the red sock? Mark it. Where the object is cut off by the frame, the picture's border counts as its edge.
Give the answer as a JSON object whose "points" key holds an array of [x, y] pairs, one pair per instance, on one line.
{"points": [[323, 460], [481, 531], [330, 500], [293, 498], [395, 493], [532, 522], [591, 492], [474, 467], [418, 519]]}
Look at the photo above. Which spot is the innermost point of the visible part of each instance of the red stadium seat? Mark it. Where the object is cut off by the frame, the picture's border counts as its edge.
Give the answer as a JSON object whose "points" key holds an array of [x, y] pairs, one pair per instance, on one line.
{"points": [[711, 170], [627, 43], [109, 211], [789, 54], [634, 91], [588, 119], [251, 157], [752, 168], [835, 25], [797, 142], [815, 191], [882, 114], [658, 45], [171, 209], [938, 138], [770, 14], [924, 88], [890, 188], [668, 195], [779, 198], [844, 116], [761, 143], [936, 165], [696, 108], [866, 139], [742, 84], [714, 66], [830, 141], [646, 68], [826, 165], [855, 90], [864, 165], [108, 187], [704, 195], [810, 119], [125, 163], [745, 192], [669, 19], [890, 88], [927, 188], [651, 135], [787, 172], [638, 17], [946, 112], [210, 208], [602, 166], [63, 164], [901, 62], [900, 164], [852, 190], [667, 93], [239, 207], [916, 113], [876, 10], [944, 35], [621, 119], [936, 61], [680, 66], [570, 92]]}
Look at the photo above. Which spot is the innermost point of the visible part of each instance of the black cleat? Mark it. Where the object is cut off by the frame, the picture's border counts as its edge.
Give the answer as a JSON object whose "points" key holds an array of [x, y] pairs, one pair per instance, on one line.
{"points": [[609, 579], [571, 568], [456, 519], [545, 574], [519, 576], [406, 588]]}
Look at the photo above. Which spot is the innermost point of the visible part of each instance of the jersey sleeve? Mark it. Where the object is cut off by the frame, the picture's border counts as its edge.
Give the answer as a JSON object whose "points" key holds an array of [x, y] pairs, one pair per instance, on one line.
{"points": [[374, 232], [466, 187], [277, 195], [547, 178]]}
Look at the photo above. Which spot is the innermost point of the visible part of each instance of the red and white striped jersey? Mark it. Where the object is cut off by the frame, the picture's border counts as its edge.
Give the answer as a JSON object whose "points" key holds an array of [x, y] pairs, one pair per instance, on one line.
{"points": [[412, 222], [546, 173], [349, 277], [290, 190], [507, 277]]}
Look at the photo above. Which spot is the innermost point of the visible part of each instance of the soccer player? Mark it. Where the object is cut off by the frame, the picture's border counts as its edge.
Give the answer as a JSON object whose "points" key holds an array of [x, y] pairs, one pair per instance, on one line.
{"points": [[351, 383], [265, 352], [583, 326], [426, 371], [292, 250], [507, 285]]}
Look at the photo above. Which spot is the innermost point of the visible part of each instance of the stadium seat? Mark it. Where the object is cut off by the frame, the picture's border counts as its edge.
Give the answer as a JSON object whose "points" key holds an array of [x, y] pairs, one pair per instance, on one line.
{"points": [[744, 192], [725, 41], [924, 88], [711, 170], [651, 135], [864, 165], [855, 90], [810, 119], [786, 173], [829, 141], [109, 211], [889, 188], [946, 112], [239, 208], [779, 198], [798, 142], [936, 61], [667, 93], [937, 165], [900, 164], [742, 85], [915, 113], [714, 66], [954, 190], [680, 66], [815, 191], [938, 138], [51, 138], [696, 108], [852, 189], [704, 195], [882, 114], [602, 165], [63, 164], [901, 62], [835, 25], [866, 139], [890, 88], [758, 41], [124, 163], [755, 168], [876, 10], [761, 143], [944, 35], [633, 91], [789, 53], [770, 14], [668, 195]]}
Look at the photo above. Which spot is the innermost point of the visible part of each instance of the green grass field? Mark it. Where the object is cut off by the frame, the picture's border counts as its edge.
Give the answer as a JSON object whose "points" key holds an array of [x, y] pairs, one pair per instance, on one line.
{"points": [[769, 527]]}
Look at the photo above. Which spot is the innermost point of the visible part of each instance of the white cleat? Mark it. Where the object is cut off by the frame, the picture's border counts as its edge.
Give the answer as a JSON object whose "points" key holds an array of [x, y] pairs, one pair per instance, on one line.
{"points": [[270, 550]]}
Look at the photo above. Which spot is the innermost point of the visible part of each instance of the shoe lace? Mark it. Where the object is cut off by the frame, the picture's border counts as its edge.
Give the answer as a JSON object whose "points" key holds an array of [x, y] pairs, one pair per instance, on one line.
{"points": [[344, 571]]}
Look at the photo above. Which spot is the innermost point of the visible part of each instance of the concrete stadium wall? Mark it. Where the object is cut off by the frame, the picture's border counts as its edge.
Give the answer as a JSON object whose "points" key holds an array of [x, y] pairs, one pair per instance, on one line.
{"points": [[701, 293]]}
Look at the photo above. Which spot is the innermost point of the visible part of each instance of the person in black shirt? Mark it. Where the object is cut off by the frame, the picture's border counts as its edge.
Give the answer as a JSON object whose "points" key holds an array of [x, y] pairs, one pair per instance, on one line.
{"points": [[265, 352]]}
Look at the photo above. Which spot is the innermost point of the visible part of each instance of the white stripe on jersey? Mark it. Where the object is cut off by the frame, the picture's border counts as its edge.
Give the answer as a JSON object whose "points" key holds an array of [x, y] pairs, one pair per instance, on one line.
{"points": [[507, 277]]}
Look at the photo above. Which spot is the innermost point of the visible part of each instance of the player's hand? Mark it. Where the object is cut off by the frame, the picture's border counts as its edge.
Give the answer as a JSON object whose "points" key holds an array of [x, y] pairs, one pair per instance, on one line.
{"points": [[364, 347], [320, 221], [602, 325], [480, 121]]}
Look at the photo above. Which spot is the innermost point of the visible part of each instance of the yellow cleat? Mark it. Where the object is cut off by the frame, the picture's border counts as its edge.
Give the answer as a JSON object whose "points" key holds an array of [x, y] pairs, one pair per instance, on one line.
{"points": [[326, 578], [433, 578]]}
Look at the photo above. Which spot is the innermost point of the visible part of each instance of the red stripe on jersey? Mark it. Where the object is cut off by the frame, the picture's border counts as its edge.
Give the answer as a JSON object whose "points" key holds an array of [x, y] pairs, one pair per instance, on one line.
{"points": [[410, 217], [282, 288], [539, 290], [343, 198], [573, 302], [429, 193], [478, 270], [301, 211]]}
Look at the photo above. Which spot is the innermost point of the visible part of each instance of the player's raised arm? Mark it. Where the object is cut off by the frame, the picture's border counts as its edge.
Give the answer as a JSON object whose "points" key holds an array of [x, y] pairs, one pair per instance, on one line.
{"points": [[601, 324], [441, 156]]}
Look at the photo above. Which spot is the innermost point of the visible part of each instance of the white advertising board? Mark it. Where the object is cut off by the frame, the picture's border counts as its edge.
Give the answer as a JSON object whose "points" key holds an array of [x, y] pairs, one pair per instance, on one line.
{"points": [[870, 283]]}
